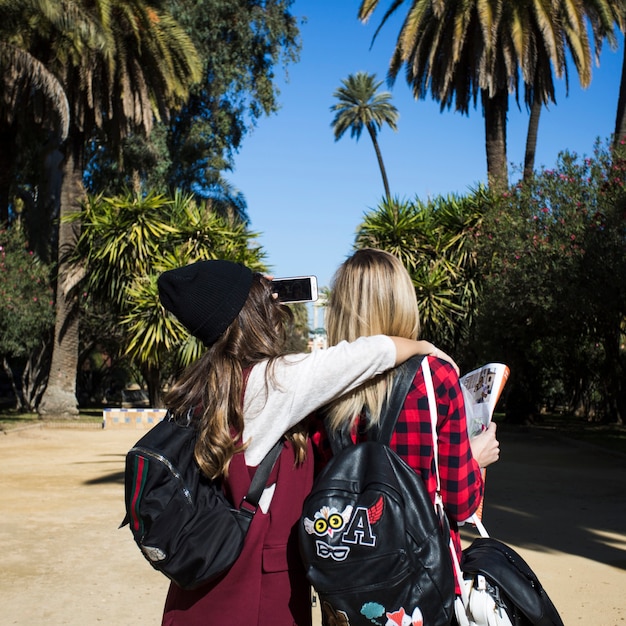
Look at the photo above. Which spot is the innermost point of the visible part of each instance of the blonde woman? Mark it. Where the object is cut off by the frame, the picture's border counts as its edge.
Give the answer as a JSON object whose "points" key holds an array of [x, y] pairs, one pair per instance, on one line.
{"points": [[373, 294]]}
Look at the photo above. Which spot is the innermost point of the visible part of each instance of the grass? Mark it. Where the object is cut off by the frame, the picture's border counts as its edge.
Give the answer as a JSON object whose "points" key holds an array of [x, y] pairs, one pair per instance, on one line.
{"points": [[11, 419]]}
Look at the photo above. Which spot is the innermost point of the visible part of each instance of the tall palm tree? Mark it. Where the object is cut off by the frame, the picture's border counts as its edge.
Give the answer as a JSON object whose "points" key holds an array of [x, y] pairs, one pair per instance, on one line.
{"points": [[32, 100], [619, 135], [121, 65], [602, 16], [359, 106], [460, 51]]}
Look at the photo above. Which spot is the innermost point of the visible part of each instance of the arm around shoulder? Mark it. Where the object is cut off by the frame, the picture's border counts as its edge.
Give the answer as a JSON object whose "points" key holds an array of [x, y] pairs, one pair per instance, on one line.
{"points": [[406, 348]]}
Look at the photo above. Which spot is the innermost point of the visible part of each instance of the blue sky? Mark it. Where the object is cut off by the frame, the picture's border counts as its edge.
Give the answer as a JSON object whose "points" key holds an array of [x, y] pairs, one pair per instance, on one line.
{"points": [[307, 194]]}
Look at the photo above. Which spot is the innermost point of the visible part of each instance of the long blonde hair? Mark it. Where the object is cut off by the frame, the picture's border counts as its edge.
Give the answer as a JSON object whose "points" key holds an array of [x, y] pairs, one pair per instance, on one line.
{"points": [[212, 387], [371, 294]]}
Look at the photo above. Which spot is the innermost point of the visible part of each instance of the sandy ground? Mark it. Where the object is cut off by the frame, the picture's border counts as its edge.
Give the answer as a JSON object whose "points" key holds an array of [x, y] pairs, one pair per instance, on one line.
{"points": [[64, 560]]}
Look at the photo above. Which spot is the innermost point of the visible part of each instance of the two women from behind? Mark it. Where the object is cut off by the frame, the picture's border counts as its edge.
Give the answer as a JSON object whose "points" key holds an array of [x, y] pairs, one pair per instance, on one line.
{"points": [[245, 393]]}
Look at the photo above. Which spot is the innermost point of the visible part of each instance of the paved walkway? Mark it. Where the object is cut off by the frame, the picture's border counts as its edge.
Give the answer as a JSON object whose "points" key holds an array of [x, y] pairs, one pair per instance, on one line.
{"points": [[64, 561]]}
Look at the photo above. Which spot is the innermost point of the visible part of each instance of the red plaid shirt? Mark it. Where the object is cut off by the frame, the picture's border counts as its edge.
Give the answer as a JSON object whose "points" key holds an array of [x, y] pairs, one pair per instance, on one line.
{"points": [[460, 476]]}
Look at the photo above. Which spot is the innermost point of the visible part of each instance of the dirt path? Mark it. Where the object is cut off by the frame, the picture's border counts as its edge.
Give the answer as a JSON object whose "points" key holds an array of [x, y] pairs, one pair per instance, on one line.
{"points": [[65, 561]]}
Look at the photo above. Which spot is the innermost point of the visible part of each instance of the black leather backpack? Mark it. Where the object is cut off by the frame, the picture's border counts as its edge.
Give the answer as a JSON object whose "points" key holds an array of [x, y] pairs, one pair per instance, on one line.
{"points": [[373, 546]]}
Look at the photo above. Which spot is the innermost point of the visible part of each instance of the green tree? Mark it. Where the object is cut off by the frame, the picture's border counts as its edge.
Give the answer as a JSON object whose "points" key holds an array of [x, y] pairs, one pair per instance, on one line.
{"points": [[121, 64], [34, 116], [360, 106], [241, 44], [433, 241], [602, 17], [126, 242], [459, 51], [26, 316], [27, 87], [553, 303]]}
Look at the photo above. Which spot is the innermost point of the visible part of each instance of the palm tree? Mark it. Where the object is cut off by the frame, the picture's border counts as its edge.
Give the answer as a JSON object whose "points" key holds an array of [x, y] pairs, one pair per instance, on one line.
{"points": [[32, 100], [126, 242], [433, 239], [602, 16], [619, 136], [121, 65], [359, 107], [460, 51]]}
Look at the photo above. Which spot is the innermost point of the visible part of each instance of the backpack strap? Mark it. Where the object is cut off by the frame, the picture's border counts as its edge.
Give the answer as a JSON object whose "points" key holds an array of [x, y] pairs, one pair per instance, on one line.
{"points": [[250, 502], [402, 381]]}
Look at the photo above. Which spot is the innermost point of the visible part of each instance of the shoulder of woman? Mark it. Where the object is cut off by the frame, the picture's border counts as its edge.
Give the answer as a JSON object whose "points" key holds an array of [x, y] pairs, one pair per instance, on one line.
{"points": [[442, 371]]}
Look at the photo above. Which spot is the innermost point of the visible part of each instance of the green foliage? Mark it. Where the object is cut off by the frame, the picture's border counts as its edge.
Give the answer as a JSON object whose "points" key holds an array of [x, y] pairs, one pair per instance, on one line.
{"points": [[432, 239], [126, 242], [553, 285], [535, 277], [240, 42], [476, 52], [27, 311], [120, 66]]}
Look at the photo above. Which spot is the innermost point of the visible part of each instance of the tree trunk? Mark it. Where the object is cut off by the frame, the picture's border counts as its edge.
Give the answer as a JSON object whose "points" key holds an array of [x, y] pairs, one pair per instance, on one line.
{"points": [[47, 205], [495, 111], [19, 405], [620, 118], [34, 376], [7, 159], [381, 165], [531, 139], [152, 376], [59, 398]]}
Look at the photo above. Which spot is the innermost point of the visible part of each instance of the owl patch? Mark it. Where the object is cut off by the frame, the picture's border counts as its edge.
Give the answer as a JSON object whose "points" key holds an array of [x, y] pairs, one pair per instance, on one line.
{"points": [[353, 525]]}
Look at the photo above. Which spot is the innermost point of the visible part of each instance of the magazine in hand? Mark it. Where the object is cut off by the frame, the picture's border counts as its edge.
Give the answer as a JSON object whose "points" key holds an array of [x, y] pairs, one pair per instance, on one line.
{"points": [[481, 390]]}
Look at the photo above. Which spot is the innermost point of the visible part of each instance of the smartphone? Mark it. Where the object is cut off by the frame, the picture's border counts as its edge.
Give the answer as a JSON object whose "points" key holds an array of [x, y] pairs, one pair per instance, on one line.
{"points": [[296, 289]]}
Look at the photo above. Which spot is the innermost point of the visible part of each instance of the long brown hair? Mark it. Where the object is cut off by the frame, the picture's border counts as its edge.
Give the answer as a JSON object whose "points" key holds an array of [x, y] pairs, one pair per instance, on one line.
{"points": [[372, 293], [211, 389]]}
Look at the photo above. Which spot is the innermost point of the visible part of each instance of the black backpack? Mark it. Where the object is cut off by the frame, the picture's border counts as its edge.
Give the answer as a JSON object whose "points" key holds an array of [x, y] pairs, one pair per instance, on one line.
{"points": [[511, 582], [372, 544], [182, 522]]}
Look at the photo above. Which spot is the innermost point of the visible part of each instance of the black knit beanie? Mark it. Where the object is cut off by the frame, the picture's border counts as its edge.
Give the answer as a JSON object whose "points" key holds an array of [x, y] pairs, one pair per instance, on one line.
{"points": [[205, 296]]}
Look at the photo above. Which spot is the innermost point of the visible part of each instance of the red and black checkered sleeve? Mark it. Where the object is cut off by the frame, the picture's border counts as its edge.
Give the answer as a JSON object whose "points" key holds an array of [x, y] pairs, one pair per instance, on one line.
{"points": [[461, 480]]}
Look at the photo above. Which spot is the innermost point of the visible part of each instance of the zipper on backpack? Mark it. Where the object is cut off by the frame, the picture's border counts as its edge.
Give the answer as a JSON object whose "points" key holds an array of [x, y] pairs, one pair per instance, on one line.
{"points": [[170, 467]]}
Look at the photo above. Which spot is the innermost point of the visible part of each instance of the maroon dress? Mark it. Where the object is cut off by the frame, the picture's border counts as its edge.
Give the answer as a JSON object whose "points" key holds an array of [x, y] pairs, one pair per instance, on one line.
{"points": [[266, 586]]}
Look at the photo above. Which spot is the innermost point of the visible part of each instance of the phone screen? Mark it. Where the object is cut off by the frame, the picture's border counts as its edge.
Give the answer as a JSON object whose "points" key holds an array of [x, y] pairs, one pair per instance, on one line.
{"points": [[296, 289]]}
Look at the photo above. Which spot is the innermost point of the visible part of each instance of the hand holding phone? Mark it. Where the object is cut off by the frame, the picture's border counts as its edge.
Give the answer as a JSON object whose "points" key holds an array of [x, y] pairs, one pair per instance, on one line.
{"points": [[295, 289]]}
